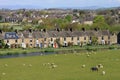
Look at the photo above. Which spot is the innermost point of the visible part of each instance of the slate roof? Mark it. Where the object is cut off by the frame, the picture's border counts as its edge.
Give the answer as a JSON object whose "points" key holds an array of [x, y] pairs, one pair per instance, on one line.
{"points": [[49, 34]]}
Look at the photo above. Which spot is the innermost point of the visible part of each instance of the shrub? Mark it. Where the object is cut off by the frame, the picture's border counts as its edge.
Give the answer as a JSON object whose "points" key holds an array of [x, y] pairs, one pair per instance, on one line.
{"points": [[111, 47], [6, 46], [9, 53], [24, 52], [16, 53]]}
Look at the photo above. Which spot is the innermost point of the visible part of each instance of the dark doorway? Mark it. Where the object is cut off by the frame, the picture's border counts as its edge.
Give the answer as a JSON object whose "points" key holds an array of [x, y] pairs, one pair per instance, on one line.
{"points": [[118, 38]]}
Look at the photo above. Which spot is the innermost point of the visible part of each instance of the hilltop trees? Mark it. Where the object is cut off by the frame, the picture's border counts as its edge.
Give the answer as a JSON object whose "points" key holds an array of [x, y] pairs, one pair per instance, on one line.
{"points": [[99, 22]]}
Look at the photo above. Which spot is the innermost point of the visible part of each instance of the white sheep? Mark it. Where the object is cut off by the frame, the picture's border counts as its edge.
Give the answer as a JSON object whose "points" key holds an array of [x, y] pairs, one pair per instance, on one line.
{"points": [[100, 65], [30, 65], [83, 66], [88, 55], [54, 66], [23, 64], [6, 65], [3, 73], [103, 72], [48, 63], [44, 64]]}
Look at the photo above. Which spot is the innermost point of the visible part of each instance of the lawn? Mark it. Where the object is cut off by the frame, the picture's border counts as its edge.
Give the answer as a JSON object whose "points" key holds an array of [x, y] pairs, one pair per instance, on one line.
{"points": [[68, 66]]}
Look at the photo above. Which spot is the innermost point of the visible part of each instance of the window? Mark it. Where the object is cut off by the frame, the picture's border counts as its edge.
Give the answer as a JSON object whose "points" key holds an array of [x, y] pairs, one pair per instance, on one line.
{"points": [[64, 39], [22, 40], [90, 38], [44, 39], [51, 39], [7, 41], [30, 40], [84, 38], [108, 37], [16, 40], [102, 37], [30, 44], [72, 39], [78, 38]]}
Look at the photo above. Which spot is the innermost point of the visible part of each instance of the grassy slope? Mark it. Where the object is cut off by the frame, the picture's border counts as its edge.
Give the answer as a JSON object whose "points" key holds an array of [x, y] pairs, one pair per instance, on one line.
{"points": [[69, 67]]}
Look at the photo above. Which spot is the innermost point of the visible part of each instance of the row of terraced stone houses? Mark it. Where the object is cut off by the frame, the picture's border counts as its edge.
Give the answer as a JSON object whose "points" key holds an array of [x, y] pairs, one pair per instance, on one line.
{"points": [[43, 39]]}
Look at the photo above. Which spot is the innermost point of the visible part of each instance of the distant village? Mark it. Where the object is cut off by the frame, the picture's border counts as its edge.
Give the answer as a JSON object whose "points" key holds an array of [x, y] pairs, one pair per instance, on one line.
{"points": [[79, 16], [58, 27]]}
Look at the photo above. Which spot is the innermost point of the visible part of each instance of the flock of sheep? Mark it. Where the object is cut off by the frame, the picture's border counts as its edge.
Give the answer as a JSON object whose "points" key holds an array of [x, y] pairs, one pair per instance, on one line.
{"points": [[96, 68], [53, 65]]}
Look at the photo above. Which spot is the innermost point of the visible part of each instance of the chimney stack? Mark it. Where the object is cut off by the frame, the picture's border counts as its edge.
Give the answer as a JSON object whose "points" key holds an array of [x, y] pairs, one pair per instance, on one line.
{"points": [[71, 29], [30, 30], [44, 30], [57, 29], [83, 29]]}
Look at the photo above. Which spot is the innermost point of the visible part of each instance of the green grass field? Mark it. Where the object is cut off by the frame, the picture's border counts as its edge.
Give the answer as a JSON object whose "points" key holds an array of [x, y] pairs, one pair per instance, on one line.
{"points": [[68, 66]]}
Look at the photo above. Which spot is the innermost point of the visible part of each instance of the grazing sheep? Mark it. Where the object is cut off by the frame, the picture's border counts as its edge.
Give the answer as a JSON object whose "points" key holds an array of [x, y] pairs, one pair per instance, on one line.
{"points": [[3, 73], [88, 55], [54, 66], [23, 64], [83, 66], [6, 65], [48, 63], [100, 66], [44, 64], [103, 72], [52, 63], [94, 69], [30, 65]]}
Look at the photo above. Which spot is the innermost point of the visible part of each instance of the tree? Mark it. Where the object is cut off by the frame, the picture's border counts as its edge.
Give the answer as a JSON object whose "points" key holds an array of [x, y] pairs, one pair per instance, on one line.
{"points": [[99, 19], [94, 40], [68, 18], [99, 22], [2, 44]]}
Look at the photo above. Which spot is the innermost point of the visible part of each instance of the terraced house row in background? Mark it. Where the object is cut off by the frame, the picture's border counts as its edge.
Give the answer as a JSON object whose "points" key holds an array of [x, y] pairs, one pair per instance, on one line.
{"points": [[44, 38]]}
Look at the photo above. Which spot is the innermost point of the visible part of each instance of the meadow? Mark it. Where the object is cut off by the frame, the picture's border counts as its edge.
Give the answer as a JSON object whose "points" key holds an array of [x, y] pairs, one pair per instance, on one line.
{"points": [[67, 66]]}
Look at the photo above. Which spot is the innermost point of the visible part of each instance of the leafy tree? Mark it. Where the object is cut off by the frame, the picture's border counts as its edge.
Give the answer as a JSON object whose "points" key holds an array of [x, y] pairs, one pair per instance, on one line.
{"points": [[99, 22], [26, 27], [68, 18], [2, 44], [6, 46], [94, 40], [99, 19]]}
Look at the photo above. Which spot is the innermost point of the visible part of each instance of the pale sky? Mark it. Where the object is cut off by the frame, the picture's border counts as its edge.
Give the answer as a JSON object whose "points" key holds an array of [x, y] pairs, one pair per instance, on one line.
{"points": [[60, 3]]}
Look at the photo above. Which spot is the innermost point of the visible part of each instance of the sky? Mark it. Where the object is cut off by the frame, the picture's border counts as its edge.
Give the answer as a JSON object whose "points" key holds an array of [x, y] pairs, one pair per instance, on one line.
{"points": [[58, 3]]}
